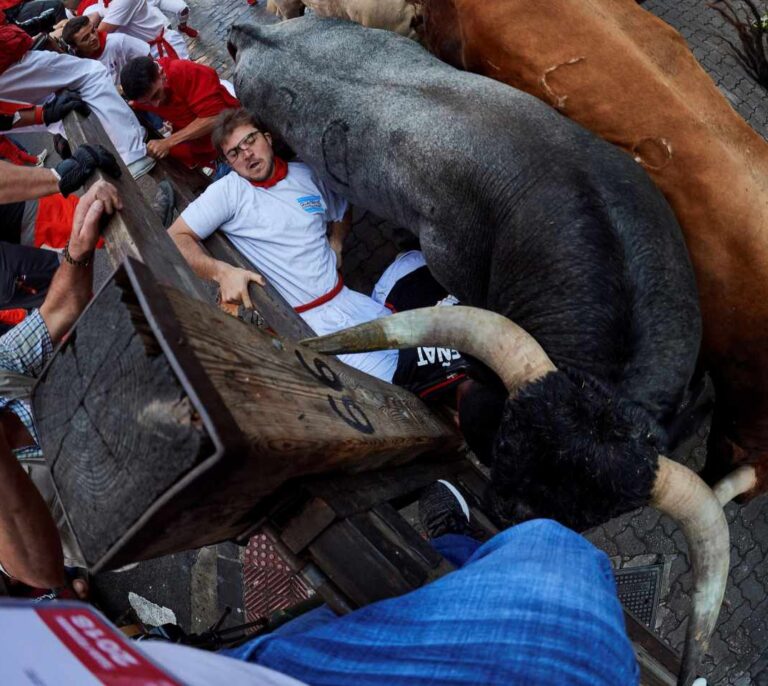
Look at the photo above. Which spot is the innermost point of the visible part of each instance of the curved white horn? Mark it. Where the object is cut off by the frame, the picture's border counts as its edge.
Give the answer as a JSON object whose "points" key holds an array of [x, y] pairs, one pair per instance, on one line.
{"points": [[737, 482], [504, 346], [681, 494]]}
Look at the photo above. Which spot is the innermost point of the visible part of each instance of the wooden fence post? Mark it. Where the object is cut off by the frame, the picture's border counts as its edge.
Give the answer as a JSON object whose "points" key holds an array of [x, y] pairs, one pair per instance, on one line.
{"points": [[166, 422]]}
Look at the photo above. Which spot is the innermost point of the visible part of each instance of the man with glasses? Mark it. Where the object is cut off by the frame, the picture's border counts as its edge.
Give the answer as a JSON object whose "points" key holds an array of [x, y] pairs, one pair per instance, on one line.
{"points": [[289, 225], [187, 95]]}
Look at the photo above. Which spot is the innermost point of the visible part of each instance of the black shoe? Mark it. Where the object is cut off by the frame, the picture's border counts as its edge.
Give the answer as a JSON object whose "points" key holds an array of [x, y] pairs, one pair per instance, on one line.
{"points": [[164, 202], [443, 510], [61, 146]]}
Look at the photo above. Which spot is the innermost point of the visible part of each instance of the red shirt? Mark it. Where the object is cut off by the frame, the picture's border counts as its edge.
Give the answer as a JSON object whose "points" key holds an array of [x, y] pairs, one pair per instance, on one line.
{"points": [[14, 44], [195, 92], [84, 5]]}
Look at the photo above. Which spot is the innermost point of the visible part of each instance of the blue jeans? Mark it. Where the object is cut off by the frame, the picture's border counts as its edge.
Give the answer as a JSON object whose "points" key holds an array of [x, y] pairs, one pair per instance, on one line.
{"points": [[536, 605]]}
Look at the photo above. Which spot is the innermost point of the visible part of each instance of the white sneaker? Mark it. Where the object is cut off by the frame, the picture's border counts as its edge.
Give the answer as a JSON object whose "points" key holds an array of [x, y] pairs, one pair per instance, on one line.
{"points": [[41, 158], [139, 167]]}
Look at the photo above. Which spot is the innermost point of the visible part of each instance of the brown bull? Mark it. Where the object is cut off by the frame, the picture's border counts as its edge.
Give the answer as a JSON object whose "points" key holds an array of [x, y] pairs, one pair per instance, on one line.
{"points": [[629, 77]]}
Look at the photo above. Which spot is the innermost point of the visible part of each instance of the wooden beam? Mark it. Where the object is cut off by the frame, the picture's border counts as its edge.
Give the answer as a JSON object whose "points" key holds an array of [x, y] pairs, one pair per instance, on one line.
{"points": [[136, 229], [166, 421]]}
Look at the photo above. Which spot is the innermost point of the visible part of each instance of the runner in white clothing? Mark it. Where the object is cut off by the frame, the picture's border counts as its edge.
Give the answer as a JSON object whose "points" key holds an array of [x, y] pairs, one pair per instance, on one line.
{"points": [[178, 10], [277, 215], [36, 75], [140, 19], [113, 50]]}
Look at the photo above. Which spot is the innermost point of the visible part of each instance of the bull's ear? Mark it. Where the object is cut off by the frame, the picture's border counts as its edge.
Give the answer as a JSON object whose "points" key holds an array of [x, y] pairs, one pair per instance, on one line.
{"points": [[241, 37]]}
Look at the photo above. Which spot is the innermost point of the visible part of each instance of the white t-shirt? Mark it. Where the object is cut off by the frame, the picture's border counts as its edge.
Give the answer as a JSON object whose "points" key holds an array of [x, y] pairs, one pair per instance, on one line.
{"points": [[120, 49], [136, 18], [282, 231]]}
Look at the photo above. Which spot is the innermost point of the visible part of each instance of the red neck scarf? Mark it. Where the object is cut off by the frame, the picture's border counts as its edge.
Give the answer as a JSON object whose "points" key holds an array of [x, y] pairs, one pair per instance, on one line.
{"points": [[279, 172], [102, 44]]}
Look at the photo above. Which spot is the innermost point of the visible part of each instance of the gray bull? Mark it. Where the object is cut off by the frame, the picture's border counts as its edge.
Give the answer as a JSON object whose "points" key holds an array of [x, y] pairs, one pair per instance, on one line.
{"points": [[524, 213]]}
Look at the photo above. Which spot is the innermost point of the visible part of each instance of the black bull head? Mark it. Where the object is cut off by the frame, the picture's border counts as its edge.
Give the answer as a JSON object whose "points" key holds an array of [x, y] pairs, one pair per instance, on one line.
{"points": [[523, 213]]}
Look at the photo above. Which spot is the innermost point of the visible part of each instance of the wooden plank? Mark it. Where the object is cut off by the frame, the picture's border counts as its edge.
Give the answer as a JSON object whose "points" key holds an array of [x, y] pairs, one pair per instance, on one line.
{"points": [[658, 658], [410, 541], [308, 524], [366, 575], [135, 230], [261, 413], [351, 494]]}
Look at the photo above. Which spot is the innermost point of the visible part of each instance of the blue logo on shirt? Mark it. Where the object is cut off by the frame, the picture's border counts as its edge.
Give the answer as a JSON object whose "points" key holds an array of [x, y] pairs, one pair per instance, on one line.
{"points": [[311, 203]]}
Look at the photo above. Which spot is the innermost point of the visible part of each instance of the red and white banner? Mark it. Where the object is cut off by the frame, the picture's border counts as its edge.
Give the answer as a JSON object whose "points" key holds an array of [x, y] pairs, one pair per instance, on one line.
{"points": [[65, 643]]}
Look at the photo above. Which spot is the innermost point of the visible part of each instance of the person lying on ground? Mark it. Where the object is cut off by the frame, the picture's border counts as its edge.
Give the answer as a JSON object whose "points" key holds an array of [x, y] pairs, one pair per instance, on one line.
{"points": [[30, 549]]}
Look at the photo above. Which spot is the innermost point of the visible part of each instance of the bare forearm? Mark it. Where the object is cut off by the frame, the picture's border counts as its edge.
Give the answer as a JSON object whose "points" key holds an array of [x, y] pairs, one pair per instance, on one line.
{"points": [[18, 184], [68, 294], [29, 117], [201, 126], [30, 548], [338, 231], [205, 266]]}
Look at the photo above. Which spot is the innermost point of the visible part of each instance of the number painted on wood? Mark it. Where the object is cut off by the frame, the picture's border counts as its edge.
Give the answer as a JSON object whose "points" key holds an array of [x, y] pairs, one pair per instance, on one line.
{"points": [[350, 411], [322, 372], [353, 414]]}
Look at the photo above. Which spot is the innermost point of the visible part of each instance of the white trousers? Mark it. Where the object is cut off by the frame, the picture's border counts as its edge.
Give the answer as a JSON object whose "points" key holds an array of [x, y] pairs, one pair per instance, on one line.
{"points": [[178, 43], [175, 9], [40, 73]]}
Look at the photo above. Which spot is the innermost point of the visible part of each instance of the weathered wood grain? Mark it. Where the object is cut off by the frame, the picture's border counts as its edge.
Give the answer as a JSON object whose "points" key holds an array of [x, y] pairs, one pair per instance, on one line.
{"points": [[116, 426], [167, 421], [136, 229]]}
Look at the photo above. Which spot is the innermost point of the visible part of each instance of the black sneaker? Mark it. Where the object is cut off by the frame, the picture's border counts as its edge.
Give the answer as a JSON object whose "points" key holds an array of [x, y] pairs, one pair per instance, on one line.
{"points": [[61, 146], [443, 510], [164, 202]]}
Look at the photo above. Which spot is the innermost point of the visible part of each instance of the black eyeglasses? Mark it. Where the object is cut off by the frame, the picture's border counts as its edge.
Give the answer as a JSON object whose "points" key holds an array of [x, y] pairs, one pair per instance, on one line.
{"points": [[233, 153]]}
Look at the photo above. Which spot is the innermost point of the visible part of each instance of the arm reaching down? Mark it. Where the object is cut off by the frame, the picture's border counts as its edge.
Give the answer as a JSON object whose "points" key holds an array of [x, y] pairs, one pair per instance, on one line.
{"points": [[337, 233], [71, 287], [233, 281]]}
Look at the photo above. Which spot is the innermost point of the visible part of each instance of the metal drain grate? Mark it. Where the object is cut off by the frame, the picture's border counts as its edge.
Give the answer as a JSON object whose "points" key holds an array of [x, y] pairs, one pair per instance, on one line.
{"points": [[638, 589]]}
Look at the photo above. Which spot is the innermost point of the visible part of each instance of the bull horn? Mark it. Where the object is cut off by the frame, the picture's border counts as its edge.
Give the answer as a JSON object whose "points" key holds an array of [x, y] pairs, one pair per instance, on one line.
{"points": [[737, 482], [681, 494], [504, 346]]}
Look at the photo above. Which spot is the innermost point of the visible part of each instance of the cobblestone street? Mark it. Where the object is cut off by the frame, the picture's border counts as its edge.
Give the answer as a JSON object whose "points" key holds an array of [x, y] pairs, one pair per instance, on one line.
{"points": [[737, 655]]}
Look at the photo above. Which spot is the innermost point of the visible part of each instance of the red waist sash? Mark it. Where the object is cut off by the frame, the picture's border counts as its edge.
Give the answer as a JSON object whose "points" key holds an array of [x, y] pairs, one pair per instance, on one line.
{"points": [[330, 295]]}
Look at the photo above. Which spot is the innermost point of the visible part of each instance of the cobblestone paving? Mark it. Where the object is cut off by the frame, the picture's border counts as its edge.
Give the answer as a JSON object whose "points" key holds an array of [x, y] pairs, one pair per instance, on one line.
{"points": [[737, 656]]}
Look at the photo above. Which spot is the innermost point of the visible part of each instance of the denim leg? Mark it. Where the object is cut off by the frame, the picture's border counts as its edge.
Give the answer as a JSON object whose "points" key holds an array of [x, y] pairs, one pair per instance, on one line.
{"points": [[456, 548], [534, 605]]}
